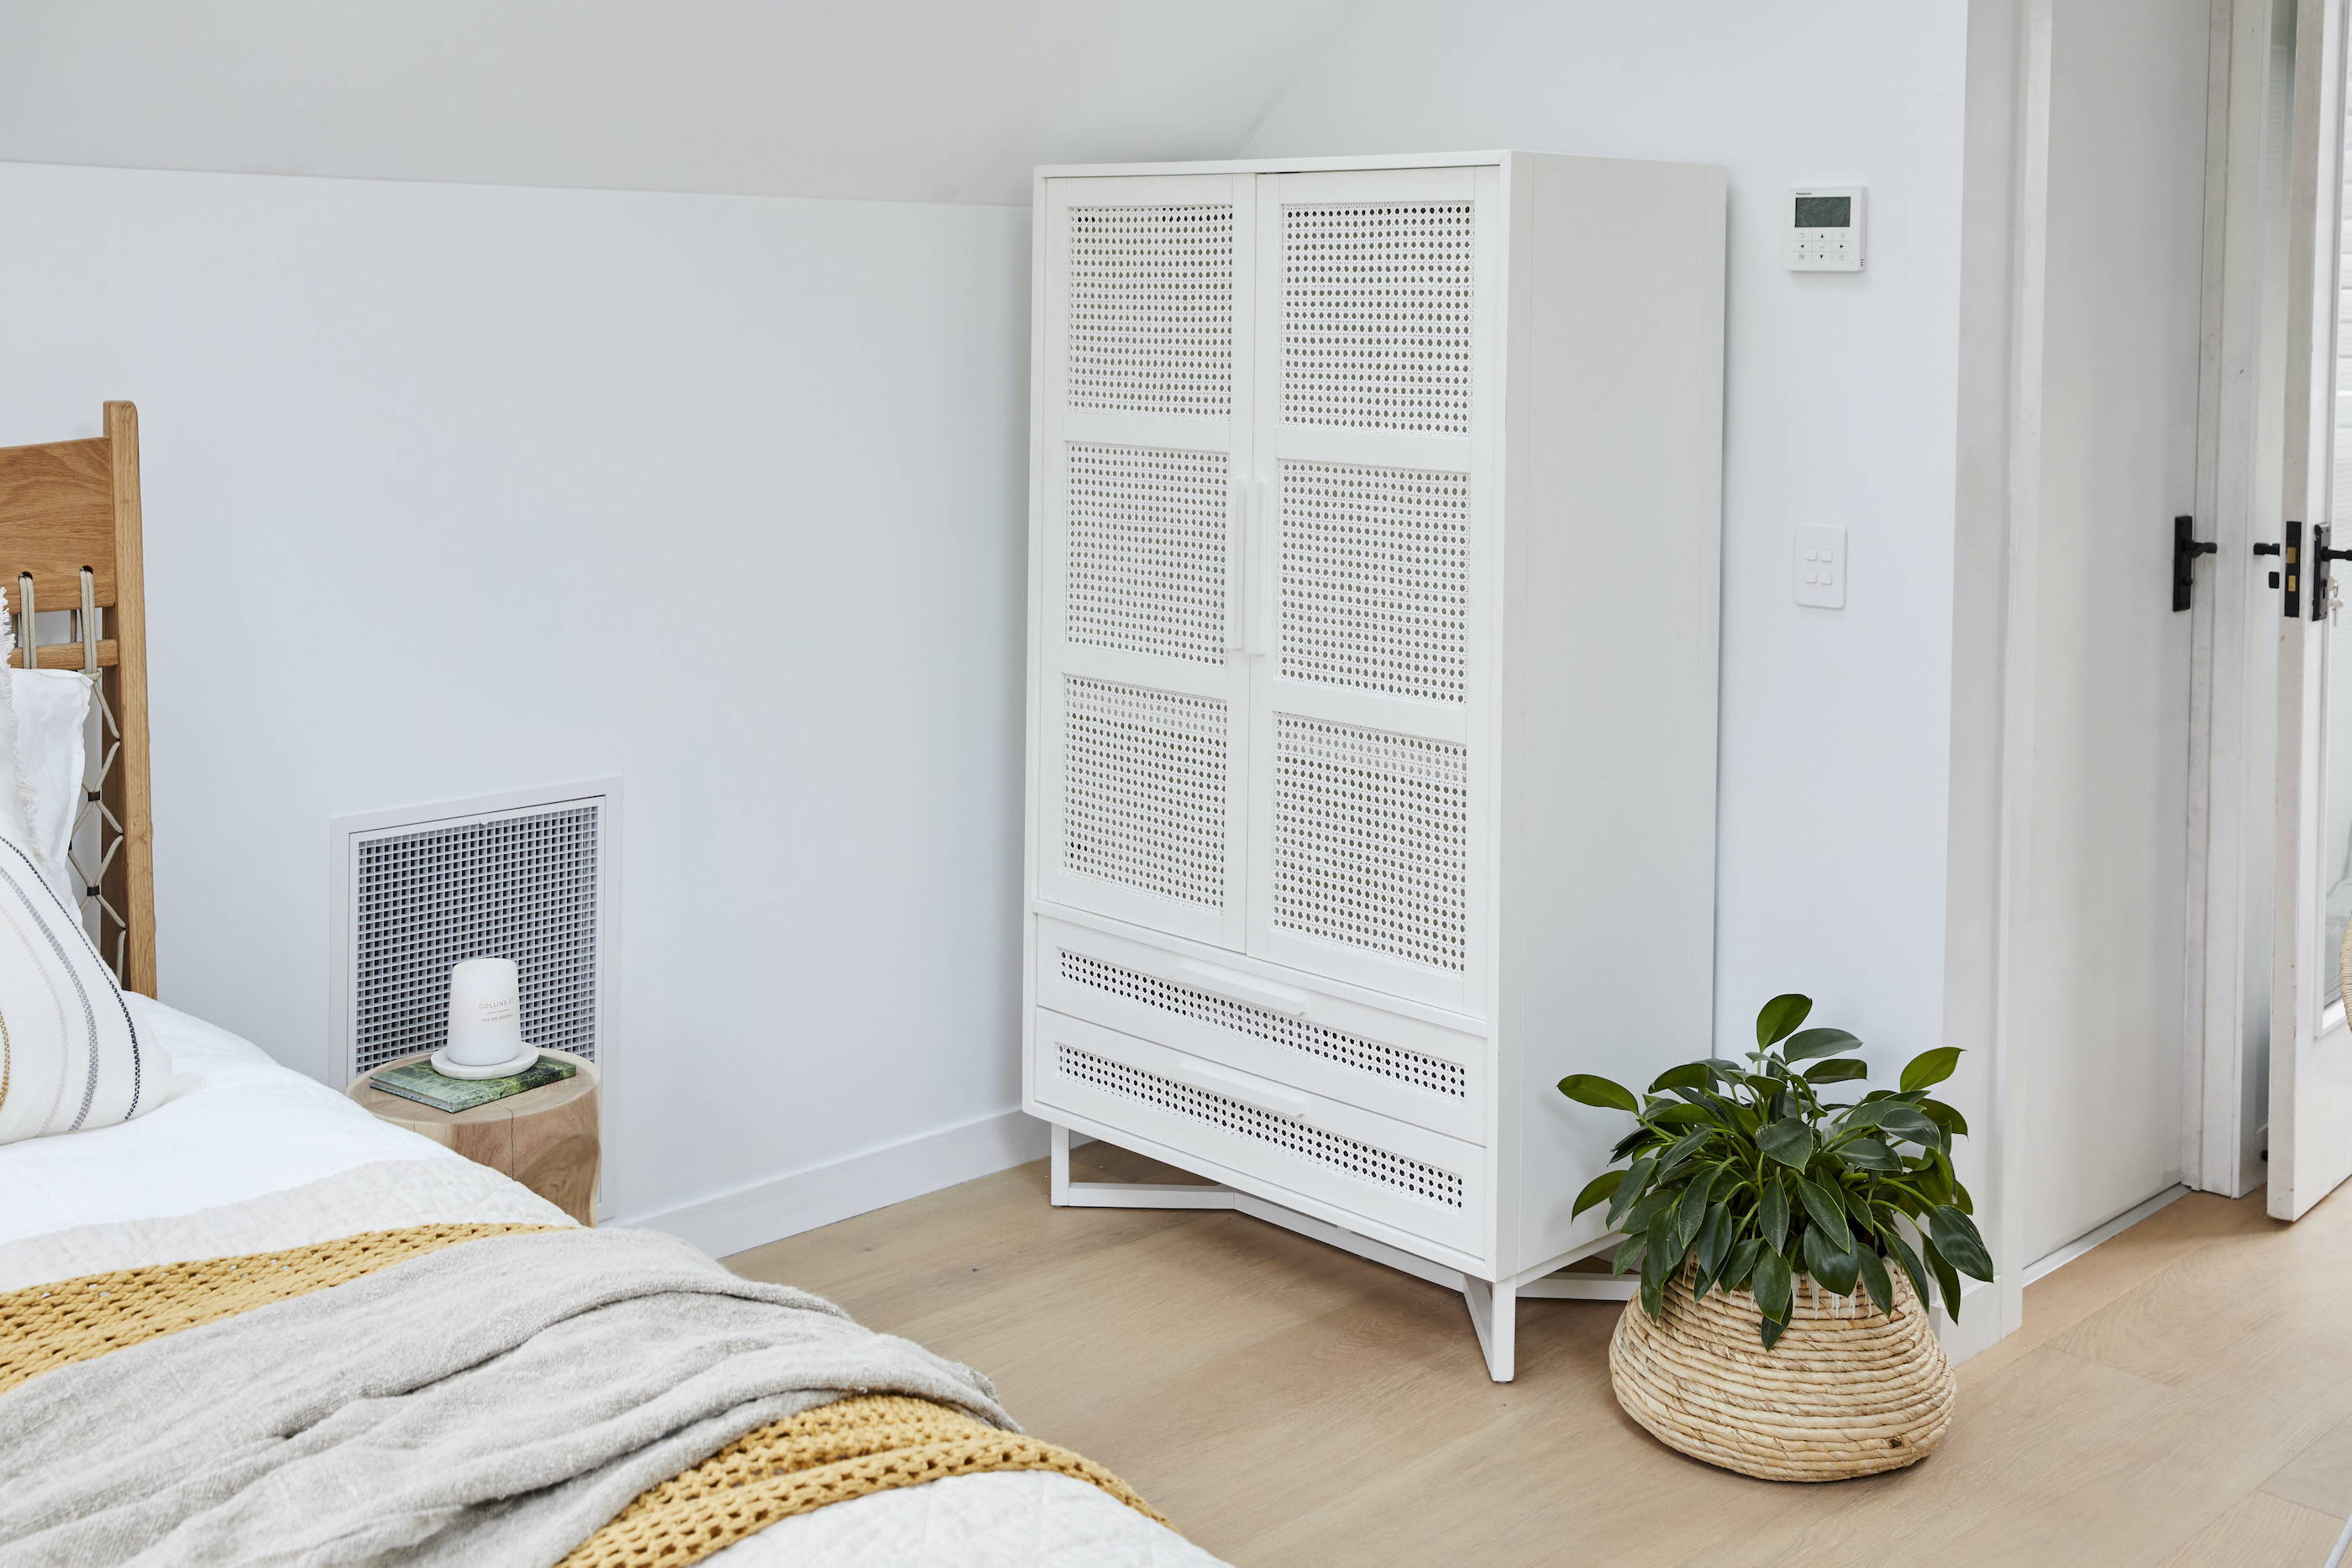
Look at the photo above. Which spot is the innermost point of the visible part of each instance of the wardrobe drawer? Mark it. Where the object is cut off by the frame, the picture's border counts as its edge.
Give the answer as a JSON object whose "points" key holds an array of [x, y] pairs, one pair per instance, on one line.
{"points": [[1263, 1136], [1263, 1023]]}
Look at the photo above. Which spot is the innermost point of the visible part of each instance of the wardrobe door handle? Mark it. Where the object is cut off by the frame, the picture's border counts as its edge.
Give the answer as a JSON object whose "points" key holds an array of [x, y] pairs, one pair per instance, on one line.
{"points": [[1241, 989], [1256, 1096]]}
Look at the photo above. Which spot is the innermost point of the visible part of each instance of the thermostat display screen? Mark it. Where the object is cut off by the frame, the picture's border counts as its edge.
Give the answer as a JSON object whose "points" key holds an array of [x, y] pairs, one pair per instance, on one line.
{"points": [[1825, 211]]}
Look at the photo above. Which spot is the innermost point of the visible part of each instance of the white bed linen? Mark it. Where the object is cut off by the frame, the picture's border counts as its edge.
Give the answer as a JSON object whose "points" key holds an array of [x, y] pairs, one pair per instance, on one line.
{"points": [[245, 1127], [241, 1128]]}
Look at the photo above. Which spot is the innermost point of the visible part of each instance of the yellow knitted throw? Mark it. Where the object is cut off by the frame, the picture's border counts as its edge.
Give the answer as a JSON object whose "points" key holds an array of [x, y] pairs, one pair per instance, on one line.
{"points": [[869, 1443]]}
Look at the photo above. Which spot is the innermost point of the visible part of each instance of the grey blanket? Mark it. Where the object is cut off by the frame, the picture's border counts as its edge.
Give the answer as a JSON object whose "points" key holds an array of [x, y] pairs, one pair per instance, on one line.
{"points": [[493, 1403]]}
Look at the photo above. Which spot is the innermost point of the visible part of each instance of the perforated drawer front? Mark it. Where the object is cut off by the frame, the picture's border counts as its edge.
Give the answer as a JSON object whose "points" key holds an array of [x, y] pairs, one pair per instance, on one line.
{"points": [[1291, 1143], [1271, 1023], [1150, 325]]}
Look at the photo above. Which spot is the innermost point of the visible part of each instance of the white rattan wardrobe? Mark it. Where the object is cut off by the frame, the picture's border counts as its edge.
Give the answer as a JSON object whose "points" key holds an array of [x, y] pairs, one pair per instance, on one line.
{"points": [[1373, 720]]}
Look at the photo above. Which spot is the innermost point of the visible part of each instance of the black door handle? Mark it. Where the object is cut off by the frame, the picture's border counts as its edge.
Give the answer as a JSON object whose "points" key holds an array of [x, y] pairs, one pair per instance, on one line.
{"points": [[2185, 552]]}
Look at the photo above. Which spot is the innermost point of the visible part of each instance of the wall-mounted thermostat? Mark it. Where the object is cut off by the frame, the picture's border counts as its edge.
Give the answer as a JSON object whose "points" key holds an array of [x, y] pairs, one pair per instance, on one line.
{"points": [[1825, 229]]}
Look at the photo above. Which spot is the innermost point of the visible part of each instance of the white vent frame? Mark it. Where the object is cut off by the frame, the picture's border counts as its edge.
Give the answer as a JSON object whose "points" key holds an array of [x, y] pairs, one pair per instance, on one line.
{"points": [[348, 834]]}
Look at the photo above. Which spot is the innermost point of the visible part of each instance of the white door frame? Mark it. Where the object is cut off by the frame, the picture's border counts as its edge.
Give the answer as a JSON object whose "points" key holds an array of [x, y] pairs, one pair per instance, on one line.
{"points": [[2232, 843], [2004, 271]]}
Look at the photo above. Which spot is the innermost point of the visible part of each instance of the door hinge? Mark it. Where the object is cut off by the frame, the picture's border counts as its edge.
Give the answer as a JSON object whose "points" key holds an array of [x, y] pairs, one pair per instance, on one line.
{"points": [[2185, 552], [2323, 591]]}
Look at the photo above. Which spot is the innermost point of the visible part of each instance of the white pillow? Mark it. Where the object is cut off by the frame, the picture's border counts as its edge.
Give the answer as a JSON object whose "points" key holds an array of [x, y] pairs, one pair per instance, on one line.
{"points": [[70, 1056], [52, 750]]}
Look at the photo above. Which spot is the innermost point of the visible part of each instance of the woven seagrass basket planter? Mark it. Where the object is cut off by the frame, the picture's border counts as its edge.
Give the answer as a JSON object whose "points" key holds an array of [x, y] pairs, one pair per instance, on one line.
{"points": [[1848, 1390]]}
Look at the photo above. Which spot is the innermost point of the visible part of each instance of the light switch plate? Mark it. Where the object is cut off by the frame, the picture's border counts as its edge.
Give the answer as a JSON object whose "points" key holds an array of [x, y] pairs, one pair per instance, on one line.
{"points": [[1820, 567]]}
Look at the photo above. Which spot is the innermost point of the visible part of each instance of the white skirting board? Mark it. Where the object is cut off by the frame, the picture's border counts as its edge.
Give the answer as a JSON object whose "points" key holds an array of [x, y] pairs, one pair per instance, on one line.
{"points": [[855, 1184]]}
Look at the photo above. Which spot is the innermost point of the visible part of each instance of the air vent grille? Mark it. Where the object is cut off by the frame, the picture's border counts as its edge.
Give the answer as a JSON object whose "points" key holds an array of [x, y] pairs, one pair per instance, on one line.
{"points": [[1365, 1162], [523, 885]]}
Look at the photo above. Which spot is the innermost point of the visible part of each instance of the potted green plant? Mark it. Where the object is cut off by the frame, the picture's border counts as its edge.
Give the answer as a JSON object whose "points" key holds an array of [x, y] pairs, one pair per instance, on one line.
{"points": [[1786, 1245]]}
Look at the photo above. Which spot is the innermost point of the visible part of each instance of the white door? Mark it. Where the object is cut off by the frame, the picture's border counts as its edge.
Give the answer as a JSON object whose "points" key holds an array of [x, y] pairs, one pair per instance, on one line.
{"points": [[1376, 496], [2310, 1143], [1145, 417], [2101, 921]]}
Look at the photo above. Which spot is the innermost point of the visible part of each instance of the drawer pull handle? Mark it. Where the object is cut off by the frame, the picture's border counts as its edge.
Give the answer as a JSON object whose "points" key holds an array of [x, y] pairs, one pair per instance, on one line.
{"points": [[1233, 1087], [1241, 989]]}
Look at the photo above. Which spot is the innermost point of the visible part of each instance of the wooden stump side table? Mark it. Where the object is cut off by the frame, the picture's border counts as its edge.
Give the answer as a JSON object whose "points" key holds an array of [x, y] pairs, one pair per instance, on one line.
{"points": [[544, 1138]]}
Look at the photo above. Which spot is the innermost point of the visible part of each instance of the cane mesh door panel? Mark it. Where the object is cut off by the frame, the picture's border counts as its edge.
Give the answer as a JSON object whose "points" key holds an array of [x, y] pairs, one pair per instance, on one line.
{"points": [[1152, 307], [1372, 839], [1144, 785], [1147, 312], [1376, 315], [1373, 578], [1146, 557]]}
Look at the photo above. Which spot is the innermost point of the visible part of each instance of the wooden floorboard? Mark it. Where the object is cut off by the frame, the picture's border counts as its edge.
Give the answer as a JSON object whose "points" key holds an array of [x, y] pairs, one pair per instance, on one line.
{"points": [[2180, 1397]]}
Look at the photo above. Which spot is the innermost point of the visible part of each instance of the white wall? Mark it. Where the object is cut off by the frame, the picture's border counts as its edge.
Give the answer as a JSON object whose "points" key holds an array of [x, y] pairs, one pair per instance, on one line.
{"points": [[926, 101], [1841, 409], [456, 489]]}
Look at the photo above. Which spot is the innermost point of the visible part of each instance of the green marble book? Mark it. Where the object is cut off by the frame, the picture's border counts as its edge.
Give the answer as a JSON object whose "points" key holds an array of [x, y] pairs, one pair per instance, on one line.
{"points": [[416, 1081]]}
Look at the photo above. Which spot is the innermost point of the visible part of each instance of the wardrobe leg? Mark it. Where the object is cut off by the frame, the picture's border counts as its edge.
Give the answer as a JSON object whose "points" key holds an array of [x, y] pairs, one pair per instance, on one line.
{"points": [[1061, 1166], [1495, 1314]]}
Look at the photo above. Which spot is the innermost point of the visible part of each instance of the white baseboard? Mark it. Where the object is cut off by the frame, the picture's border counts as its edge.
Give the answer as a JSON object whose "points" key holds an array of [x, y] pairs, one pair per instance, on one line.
{"points": [[855, 1184], [1980, 1326]]}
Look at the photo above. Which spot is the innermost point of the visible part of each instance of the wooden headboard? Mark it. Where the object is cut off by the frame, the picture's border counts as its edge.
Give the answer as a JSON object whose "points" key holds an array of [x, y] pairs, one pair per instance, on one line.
{"points": [[66, 506]]}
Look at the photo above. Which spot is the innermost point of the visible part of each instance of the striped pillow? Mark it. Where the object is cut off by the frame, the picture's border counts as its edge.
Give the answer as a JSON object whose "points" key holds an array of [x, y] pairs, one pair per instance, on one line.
{"points": [[70, 1058]]}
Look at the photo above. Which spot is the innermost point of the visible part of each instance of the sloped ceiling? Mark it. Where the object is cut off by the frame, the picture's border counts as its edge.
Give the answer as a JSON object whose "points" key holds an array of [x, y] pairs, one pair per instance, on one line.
{"points": [[923, 101]]}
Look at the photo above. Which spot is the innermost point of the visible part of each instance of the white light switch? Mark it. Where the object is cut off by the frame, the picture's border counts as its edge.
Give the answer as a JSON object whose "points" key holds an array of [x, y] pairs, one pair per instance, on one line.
{"points": [[1819, 574]]}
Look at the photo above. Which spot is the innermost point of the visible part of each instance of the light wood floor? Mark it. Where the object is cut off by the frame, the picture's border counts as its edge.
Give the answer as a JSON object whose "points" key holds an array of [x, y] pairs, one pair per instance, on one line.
{"points": [[2181, 1396]]}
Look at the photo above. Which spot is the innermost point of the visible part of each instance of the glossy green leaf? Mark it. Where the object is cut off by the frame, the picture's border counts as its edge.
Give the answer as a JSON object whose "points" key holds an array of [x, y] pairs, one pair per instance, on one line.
{"points": [[1911, 1266], [1780, 1017], [1682, 1149], [1947, 1281], [1773, 1284], [1629, 1254], [1874, 1280], [1770, 1331], [1828, 1213], [1652, 1204], [1691, 1212], [1680, 1114], [1907, 1121], [1815, 1042], [1787, 1140], [1954, 1236], [1955, 1125], [1772, 1214], [1689, 1075], [1714, 1238], [1836, 1070], [1741, 1265], [1931, 1068], [1587, 1089], [1600, 1189], [1869, 1155], [1637, 1182], [1658, 1266], [1832, 1266]]}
